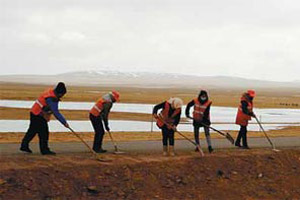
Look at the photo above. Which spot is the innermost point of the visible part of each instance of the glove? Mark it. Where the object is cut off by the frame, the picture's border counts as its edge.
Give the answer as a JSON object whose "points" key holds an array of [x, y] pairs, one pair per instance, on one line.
{"points": [[155, 116], [174, 128], [107, 128]]}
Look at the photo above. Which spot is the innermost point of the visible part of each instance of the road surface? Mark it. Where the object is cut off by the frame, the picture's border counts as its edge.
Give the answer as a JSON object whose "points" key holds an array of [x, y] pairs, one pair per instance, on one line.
{"points": [[153, 146]]}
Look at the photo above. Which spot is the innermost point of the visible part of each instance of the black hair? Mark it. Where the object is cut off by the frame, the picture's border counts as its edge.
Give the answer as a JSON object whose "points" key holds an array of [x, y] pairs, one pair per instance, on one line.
{"points": [[60, 89], [203, 93]]}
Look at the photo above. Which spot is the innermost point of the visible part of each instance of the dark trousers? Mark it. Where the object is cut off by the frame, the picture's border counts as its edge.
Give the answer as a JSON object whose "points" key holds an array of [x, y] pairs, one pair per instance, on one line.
{"points": [[167, 136], [242, 134], [38, 125], [207, 135], [99, 131]]}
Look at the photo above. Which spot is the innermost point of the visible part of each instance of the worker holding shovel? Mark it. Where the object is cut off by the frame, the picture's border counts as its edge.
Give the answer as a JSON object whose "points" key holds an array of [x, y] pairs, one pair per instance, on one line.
{"points": [[244, 114], [167, 121], [201, 117], [99, 115], [40, 115]]}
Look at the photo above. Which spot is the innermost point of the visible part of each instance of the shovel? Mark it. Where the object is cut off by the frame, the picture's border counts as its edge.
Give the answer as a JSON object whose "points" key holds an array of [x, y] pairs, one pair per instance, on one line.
{"points": [[191, 141], [97, 157], [188, 139], [227, 135], [115, 144], [273, 146]]}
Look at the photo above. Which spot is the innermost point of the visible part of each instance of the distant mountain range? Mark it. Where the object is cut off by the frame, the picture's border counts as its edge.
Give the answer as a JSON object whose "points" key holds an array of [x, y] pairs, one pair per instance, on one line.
{"points": [[146, 79]]}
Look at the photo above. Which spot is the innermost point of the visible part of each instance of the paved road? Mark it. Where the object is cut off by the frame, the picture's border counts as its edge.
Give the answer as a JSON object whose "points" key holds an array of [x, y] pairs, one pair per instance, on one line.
{"points": [[153, 146]]}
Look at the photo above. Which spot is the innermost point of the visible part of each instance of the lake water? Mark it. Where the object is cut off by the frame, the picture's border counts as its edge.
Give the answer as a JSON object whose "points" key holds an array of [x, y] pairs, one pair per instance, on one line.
{"points": [[116, 125], [218, 114]]}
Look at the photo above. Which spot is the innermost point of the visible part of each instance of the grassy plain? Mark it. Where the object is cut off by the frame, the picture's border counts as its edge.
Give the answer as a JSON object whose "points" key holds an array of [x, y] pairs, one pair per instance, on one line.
{"points": [[288, 98], [265, 99]]}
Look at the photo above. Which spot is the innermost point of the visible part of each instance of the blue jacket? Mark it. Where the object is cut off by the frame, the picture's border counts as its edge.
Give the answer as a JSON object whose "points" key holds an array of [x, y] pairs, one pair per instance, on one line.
{"points": [[53, 105]]}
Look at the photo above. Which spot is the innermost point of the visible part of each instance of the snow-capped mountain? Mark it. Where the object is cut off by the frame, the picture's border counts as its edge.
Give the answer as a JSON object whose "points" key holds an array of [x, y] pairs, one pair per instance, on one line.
{"points": [[145, 79]]}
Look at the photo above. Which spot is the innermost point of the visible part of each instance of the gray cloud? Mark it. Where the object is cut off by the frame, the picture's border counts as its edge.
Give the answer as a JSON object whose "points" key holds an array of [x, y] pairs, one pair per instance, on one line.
{"points": [[234, 37]]}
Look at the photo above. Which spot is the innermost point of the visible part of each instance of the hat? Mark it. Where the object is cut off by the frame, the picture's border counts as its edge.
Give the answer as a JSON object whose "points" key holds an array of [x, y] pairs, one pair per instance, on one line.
{"points": [[251, 93], [116, 95], [175, 102]]}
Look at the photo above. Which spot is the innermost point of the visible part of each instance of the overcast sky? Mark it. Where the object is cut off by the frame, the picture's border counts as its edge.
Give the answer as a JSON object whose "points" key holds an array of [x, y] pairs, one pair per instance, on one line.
{"points": [[245, 38]]}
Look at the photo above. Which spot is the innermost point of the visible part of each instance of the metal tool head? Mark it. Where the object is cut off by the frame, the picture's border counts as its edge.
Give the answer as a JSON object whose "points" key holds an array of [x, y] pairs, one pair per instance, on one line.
{"points": [[228, 136], [119, 152], [101, 159], [276, 150]]}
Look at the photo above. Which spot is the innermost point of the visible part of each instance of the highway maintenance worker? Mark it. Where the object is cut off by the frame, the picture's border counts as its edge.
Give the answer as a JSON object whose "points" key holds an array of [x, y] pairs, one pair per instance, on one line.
{"points": [[40, 115], [201, 117], [167, 121], [99, 115], [244, 114]]}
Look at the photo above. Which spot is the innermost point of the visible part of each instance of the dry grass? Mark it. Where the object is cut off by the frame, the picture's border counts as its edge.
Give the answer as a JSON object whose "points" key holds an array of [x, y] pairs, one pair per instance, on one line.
{"points": [[265, 98], [23, 113]]}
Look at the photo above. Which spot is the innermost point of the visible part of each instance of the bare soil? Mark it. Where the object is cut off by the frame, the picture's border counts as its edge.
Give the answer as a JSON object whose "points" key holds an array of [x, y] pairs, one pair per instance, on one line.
{"points": [[225, 174], [230, 174]]}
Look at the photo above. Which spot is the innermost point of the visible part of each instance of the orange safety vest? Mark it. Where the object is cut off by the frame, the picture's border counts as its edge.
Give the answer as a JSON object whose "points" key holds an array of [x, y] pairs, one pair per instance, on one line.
{"points": [[40, 103], [242, 118], [97, 108], [164, 117], [199, 109]]}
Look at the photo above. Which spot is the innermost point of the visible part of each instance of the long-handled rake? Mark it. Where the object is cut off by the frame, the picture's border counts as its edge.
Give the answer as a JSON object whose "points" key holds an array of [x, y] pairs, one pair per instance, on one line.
{"points": [[227, 135], [115, 144], [262, 128], [97, 157], [191, 141]]}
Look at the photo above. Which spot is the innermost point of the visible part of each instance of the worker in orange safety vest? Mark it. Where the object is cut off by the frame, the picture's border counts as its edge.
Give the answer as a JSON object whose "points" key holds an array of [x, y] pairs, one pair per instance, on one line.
{"points": [[244, 114], [167, 121], [201, 117], [99, 116], [40, 114]]}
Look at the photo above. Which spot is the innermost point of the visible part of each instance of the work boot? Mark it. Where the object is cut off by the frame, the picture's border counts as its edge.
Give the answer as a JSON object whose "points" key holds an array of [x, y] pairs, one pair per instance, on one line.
{"points": [[245, 147], [210, 149], [101, 151], [48, 152], [171, 151], [237, 145], [165, 150], [25, 149]]}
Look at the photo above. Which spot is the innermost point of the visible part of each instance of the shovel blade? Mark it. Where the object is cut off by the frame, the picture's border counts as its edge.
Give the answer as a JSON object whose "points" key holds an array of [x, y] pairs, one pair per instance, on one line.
{"points": [[100, 159], [229, 138], [119, 152], [200, 151], [276, 150]]}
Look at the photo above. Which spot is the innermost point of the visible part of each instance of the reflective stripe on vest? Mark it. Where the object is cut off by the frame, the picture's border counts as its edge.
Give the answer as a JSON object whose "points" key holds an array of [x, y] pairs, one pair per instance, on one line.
{"points": [[97, 108], [164, 115], [40, 103], [199, 109]]}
